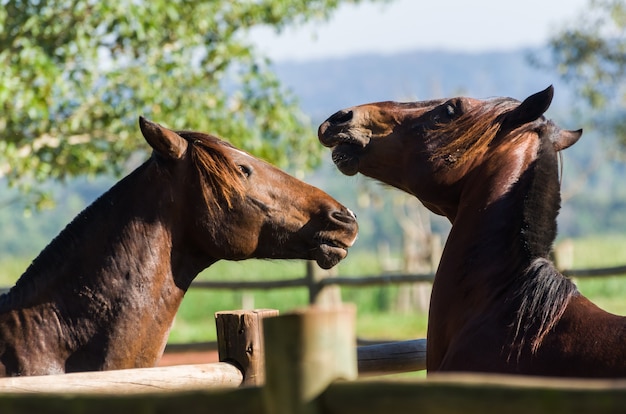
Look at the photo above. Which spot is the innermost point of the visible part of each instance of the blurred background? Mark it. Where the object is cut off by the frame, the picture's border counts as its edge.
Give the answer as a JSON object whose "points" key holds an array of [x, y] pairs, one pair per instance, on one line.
{"points": [[76, 75]]}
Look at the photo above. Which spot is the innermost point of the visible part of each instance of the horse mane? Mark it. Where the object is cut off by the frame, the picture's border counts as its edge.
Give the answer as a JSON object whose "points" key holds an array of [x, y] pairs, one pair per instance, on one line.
{"points": [[542, 292], [543, 295], [219, 178], [473, 133]]}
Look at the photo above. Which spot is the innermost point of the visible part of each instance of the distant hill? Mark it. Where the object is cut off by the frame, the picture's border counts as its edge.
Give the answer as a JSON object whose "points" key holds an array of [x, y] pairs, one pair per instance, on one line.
{"points": [[328, 85]]}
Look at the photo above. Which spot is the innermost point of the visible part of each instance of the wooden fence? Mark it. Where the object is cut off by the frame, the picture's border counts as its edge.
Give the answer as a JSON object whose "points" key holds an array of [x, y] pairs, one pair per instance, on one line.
{"points": [[241, 353], [317, 280], [311, 366]]}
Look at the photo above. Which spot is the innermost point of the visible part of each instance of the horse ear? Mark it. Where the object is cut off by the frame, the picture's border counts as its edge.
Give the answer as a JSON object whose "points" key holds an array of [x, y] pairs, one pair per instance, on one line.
{"points": [[531, 109], [565, 139], [165, 142]]}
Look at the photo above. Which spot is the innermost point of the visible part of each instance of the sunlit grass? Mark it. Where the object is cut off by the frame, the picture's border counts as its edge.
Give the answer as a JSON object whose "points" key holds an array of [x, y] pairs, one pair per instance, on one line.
{"points": [[11, 269], [602, 251]]}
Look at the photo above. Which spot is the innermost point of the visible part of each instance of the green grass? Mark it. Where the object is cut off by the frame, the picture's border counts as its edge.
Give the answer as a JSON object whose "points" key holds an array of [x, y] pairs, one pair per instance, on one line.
{"points": [[376, 317], [599, 251], [602, 251], [11, 269]]}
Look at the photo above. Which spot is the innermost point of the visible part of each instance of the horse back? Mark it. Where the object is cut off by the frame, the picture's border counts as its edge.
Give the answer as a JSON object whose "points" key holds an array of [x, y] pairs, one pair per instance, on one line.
{"points": [[586, 342]]}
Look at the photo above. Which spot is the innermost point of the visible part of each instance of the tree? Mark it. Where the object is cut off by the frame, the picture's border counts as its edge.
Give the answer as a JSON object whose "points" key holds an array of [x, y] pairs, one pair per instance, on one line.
{"points": [[76, 74], [590, 53]]}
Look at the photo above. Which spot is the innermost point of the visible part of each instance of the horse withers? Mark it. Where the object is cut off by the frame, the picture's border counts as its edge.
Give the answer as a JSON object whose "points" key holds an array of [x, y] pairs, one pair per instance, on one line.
{"points": [[103, 294], [498, 303]]}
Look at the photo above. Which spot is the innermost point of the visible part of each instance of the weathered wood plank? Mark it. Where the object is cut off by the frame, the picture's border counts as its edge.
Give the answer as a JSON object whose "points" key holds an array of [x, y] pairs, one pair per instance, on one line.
{"points": [[476, 394], [392, 357], [130, 381], [234, 401]]}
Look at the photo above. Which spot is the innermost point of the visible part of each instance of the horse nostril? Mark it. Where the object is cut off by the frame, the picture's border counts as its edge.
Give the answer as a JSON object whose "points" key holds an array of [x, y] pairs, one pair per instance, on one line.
{"points": [[344, 216], [341, 117]]}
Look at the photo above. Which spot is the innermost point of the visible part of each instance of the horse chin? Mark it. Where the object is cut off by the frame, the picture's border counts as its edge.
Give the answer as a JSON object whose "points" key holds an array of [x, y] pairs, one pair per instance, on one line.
{"points": [[328, 256], [346, 158]]}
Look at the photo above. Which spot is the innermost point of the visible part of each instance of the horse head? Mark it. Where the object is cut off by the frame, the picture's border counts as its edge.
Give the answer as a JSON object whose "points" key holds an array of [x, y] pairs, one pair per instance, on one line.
{"points": [[429, 148], [239, 207]]}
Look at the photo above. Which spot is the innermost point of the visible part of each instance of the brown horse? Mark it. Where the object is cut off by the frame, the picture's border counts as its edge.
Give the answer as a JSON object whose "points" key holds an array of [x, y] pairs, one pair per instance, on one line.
{"points": [[490, 166], [104, 293]]}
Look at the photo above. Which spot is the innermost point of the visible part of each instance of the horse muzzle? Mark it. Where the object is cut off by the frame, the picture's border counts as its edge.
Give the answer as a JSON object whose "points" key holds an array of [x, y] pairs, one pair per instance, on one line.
{"points": [[332, 246]]}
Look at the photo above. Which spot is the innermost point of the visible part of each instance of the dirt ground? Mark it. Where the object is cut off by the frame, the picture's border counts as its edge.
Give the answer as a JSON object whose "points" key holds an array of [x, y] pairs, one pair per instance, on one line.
{"points": [[189, 357]]}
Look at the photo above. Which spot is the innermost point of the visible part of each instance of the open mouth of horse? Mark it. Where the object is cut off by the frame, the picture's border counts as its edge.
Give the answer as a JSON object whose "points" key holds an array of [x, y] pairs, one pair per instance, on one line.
{"points": [[329, 253], [346, 157]]}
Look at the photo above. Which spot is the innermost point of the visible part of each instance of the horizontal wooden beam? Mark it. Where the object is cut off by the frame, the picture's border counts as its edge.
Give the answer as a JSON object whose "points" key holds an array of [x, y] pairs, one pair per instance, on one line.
{"points": [[449, 394], [250, 285], [129, 381], [230, 401], [371, 280], [374, 280], [392, 357], [606, 271], [476, 394]]}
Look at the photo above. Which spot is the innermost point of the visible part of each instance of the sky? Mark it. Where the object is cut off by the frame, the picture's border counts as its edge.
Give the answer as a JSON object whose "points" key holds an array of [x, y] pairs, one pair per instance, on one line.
{"points": [[406, 25]]}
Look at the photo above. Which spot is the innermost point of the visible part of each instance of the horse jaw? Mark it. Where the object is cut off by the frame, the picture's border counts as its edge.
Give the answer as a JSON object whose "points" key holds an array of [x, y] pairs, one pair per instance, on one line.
{"points": [[346, 158], [327, 255]]}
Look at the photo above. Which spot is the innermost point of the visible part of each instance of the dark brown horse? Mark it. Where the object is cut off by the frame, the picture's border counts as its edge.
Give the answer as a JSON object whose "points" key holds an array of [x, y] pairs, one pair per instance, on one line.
{"points": [[490, 166], [104, 293]]}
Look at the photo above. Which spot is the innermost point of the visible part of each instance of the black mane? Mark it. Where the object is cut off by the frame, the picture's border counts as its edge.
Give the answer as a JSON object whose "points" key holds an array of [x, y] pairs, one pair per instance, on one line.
{"points": [[541, 292]]}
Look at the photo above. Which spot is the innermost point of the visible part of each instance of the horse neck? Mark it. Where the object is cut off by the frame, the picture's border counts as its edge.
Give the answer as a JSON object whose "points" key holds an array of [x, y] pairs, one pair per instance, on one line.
{"points": [[506, 220], [113, 271]]}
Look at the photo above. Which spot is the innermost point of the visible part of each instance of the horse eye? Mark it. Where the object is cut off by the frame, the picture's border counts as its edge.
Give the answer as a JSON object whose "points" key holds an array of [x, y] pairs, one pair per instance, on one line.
{"points": [[245, 170], [450, 110]]}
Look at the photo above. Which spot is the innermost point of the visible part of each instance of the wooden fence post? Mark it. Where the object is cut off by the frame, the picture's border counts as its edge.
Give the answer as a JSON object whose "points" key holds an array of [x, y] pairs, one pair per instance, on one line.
{"points": [[240, 341], [306, 351]]}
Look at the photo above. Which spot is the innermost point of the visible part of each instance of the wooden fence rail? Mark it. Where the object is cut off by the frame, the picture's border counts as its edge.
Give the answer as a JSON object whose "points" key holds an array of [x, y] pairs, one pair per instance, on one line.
{"points": [[129, 381], [364, 280], [600, 272], [375, 280], [445, 395]]}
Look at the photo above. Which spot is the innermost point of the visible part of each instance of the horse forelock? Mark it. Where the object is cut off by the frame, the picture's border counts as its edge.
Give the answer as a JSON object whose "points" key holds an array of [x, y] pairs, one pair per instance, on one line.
{"points": [[219, 177], [470, 135]]}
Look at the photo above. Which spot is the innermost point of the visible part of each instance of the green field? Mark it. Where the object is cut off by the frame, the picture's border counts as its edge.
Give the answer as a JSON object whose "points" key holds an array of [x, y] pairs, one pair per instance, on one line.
{"points": [[602, 251], [377, 317]]}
